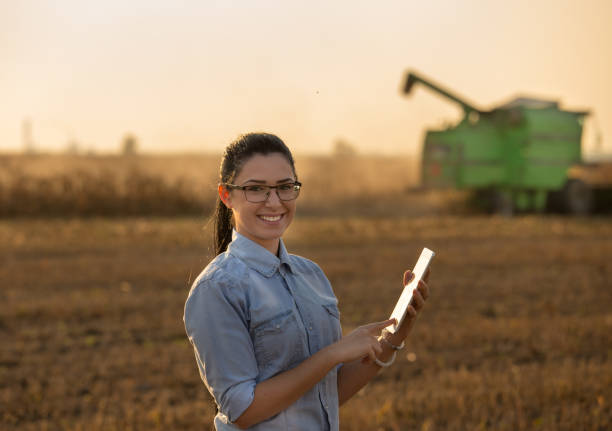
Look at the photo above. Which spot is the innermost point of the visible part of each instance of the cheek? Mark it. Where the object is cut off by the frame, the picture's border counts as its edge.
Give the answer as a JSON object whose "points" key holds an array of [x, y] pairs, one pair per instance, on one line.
{"points": [[291, 209], [244, 212]]}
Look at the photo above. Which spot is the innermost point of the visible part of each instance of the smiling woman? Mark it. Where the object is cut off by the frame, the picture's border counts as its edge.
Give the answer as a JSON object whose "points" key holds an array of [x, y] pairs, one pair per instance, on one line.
{"points": [[260, 215], [247, 164], [265, 324]]}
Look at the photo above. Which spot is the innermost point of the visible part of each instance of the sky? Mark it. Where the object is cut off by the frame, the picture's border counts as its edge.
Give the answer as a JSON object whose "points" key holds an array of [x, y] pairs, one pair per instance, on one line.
{"points": [[190, 76]]}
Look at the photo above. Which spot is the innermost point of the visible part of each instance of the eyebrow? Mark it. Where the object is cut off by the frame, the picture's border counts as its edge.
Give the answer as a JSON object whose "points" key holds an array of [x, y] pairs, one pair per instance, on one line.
{"points": [[284, 180]]}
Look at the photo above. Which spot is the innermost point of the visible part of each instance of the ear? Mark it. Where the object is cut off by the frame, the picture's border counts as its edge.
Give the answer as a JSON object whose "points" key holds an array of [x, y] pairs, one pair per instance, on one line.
{"points": [[224, 195]]}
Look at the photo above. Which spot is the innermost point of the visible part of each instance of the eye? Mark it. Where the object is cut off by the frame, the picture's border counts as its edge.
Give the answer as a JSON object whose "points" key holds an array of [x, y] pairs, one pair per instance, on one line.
{"points": [[286, 187], [253, 188]]}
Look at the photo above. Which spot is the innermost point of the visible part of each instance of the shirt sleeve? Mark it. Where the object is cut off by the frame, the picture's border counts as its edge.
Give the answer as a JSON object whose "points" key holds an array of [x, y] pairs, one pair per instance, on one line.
{"points": [[216, 325]]}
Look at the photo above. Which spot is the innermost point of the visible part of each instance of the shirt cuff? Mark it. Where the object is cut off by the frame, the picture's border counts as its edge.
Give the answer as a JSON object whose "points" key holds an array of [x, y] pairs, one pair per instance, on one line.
{"points": [[237, 399]]}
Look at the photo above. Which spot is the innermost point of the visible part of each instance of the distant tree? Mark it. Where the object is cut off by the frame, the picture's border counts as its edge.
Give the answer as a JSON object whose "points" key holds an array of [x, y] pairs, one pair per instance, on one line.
{"points": [[343, 149], [73, 147], [129, 145], [29, 146]]}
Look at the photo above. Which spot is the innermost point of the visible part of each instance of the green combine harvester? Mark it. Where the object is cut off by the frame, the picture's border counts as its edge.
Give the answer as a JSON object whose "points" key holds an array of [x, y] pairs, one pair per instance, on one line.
{"points": [[524, 155]]}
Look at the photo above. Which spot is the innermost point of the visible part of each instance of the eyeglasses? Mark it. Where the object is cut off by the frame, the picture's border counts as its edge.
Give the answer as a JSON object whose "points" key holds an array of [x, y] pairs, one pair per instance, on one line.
{"points": [[257, 193]]}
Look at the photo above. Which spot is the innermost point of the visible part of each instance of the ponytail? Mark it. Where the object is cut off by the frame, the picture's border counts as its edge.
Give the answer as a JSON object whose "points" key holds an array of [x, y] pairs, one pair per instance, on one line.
{"points": [[222, 227]]}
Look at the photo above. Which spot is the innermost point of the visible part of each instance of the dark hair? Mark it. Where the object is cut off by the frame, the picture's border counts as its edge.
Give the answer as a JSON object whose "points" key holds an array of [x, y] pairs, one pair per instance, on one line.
{"points": [[235, 156]]}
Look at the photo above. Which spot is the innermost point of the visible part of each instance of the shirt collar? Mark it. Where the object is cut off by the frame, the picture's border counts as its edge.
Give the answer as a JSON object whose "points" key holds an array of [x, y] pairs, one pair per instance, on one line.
{"points": [[257, 257]]}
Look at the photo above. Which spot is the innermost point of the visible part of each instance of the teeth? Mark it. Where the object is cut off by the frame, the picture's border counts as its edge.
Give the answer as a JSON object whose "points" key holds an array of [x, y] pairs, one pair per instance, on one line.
{"points": [[271, 218]]}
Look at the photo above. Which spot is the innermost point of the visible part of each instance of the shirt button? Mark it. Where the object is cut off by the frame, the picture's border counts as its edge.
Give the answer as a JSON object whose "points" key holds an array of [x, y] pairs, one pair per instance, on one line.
{"points": [[310, 328]]}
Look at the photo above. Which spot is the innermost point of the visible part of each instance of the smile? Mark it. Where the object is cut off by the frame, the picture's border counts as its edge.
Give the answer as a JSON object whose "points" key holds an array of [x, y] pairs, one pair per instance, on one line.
{"points": [[270, 218]]}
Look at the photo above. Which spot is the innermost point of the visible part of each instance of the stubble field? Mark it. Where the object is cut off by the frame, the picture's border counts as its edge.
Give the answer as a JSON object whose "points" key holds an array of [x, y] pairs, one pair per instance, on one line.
{"points": [[517, 334]]}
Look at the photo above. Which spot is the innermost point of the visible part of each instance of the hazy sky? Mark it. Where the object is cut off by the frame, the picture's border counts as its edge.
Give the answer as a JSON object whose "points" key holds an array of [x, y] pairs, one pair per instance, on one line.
{"points": [[192, 75]]}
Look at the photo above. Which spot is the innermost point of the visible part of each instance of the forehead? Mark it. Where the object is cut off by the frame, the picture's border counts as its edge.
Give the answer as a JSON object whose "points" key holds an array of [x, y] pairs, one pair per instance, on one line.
{"points": [[271, 167]]}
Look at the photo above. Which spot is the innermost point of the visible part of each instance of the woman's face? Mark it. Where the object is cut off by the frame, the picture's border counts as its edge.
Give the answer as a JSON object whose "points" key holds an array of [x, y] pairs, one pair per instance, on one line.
{"points": [[262, 222]]}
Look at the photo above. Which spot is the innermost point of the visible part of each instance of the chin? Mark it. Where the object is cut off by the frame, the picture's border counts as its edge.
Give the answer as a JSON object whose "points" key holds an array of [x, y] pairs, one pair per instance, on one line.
{"points": [[269, 234]]}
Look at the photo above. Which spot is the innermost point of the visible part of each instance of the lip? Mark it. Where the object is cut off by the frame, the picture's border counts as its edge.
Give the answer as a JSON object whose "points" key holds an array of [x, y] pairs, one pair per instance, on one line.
{"points": [[261, 217]]}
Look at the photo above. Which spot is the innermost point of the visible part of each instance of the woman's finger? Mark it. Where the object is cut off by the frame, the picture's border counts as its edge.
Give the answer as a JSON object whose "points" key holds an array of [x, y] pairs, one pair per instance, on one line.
{"points": [[426, 276], [411, 312], [407, 277], [372, 354], [376, 345], [376, 327], [423, 288], [417, 300]]}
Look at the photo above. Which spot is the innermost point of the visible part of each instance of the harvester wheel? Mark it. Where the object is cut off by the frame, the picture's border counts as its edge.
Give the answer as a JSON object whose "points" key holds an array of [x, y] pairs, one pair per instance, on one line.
{"points": [[578, 197], [503, 204]]}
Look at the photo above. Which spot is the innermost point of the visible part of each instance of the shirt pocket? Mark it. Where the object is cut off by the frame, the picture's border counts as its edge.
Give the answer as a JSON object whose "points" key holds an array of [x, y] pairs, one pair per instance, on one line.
{"points": [[333, 317], [277, 343], [332, 309]]}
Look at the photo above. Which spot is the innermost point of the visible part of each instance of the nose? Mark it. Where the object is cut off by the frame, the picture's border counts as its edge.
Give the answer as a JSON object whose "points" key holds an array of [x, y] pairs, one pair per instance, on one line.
{"points": [[273, 198]]}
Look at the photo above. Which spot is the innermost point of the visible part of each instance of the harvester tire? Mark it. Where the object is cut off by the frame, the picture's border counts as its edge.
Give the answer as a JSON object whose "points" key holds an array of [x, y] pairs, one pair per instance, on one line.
{"points": [[503, 204], [578, 197]]}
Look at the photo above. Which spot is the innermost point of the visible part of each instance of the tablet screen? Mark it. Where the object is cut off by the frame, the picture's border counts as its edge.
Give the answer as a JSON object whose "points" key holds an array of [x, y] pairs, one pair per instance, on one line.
{"points": [[404, 300]]}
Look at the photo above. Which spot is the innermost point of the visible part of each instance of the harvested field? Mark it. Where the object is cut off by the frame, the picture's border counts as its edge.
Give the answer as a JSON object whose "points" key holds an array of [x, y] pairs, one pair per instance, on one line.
{"points": [[517, 334]]}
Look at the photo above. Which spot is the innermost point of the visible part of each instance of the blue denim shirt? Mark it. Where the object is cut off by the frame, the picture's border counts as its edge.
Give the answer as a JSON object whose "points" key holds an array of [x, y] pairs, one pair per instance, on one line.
{"points": [[251, 315]]}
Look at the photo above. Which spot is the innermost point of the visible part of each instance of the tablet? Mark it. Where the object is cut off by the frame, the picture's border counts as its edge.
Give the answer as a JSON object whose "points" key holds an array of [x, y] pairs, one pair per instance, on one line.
{"points": [[399, 312]]}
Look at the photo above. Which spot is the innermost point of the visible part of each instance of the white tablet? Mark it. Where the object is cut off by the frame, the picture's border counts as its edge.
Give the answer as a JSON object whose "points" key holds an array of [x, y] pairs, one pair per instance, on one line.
{"points": [[399, 312]]}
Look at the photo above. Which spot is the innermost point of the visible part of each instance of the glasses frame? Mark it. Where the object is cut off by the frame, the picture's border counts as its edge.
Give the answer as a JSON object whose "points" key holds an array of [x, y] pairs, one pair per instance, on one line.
{"points": [[244, 190]]}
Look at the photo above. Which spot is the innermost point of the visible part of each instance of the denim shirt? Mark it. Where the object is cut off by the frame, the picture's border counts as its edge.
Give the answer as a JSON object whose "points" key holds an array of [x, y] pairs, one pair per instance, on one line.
{"points": [[251, 315]]}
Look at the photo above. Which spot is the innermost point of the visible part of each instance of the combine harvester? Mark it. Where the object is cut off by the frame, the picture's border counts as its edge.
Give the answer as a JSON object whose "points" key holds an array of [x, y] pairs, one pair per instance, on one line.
{"points": [[525, 155]]}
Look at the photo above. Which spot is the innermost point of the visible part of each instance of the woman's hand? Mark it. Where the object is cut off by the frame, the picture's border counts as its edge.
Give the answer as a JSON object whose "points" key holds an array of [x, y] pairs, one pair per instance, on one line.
{"points": [[417, 303], [360, 343]]}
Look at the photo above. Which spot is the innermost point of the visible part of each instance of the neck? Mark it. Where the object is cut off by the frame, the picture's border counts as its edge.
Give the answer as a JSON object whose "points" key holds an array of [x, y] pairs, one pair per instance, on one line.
{"points": [[272, 245]]}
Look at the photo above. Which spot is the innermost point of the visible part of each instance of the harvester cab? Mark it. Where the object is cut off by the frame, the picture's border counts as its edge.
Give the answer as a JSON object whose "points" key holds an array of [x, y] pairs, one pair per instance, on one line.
{"points": [[514, 157]]}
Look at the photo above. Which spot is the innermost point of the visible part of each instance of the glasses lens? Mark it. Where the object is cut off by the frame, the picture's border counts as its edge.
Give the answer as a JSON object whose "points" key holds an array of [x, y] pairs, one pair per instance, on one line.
{"points": [[256, 193], [286, 192]]}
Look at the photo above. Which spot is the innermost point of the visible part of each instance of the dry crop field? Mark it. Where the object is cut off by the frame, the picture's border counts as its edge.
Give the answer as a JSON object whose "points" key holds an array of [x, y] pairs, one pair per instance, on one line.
{"points": [[516, 336], [60, 185], [517, 333]]}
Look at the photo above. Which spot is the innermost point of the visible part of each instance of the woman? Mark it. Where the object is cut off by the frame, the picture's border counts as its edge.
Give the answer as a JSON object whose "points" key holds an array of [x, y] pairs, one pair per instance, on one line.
{"points": [[265, 324]]}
